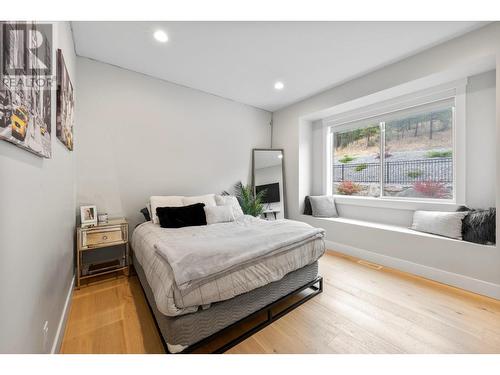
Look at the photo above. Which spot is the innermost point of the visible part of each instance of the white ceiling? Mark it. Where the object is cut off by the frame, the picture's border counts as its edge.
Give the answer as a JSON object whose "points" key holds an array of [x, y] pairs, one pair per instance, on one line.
{"points": [[242, 60], [266, 158]]}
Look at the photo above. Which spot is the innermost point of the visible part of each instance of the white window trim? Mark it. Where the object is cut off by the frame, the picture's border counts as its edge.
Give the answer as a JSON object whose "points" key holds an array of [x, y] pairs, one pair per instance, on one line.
{"points": [[456, 90]]}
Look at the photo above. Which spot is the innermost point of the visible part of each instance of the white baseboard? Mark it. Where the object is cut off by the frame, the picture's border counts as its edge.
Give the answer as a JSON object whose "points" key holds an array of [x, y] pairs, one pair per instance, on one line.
{"points": [[454, 279], [56, 345]]}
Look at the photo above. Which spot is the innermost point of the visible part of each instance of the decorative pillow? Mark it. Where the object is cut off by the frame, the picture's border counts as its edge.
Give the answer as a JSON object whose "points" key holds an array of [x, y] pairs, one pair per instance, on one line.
{"points": [[230, 200], [307, 206], [479, 226], [145, 212], [208, 200], [323, 206], [447, 224], [178, 217], [164, 201], [219, 214]]}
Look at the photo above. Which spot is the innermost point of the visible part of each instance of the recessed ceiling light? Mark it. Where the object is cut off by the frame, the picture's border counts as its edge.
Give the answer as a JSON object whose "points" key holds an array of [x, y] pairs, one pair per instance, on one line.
{"points": [[161, 36], [279, 85], [280, 156]]}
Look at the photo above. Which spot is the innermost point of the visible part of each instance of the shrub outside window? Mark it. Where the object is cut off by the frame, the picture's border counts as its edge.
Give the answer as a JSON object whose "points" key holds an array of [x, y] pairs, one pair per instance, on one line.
{"points": [[403, 154]]}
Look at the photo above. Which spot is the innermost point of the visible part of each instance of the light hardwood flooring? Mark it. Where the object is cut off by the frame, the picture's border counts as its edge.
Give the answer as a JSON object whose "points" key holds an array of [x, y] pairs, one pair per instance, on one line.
{"points": [[361, 310]]}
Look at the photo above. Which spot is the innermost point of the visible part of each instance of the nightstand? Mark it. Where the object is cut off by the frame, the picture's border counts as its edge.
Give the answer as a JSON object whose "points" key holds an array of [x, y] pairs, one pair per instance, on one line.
{"points": [[103, 235], [270, 211]]}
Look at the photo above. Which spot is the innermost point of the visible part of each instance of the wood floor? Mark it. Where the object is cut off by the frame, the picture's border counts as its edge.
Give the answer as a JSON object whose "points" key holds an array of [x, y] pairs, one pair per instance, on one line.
{"points": [[362, 310]]}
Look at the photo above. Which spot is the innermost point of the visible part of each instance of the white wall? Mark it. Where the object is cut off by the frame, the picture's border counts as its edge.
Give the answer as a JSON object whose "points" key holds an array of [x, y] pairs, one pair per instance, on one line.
{"points": [[481, 144], [295, 136], [139, 136], [37, 219]]}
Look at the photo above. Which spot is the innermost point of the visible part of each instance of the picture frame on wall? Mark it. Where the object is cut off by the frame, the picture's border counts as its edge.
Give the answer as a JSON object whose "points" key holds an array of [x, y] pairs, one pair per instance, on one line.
{"points": [[25, 107], [88, 215], [65, 117]]}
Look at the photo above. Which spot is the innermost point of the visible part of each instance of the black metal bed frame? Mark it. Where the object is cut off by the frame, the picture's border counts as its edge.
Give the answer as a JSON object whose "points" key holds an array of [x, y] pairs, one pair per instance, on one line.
{"points": [[270, 319]]}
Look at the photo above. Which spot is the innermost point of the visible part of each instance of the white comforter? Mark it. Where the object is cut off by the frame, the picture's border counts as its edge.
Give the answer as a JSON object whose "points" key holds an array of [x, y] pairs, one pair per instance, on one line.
{"points": [[243, 278], [202, 253]]}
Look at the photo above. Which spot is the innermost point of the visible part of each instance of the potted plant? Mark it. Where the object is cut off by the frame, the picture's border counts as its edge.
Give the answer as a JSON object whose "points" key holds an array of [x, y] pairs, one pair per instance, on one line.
{"points": [[250, 203]]}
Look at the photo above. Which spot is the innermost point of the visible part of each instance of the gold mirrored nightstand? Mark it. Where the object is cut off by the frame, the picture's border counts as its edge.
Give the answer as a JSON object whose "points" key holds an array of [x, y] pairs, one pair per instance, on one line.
{"points": [[102, 236]]}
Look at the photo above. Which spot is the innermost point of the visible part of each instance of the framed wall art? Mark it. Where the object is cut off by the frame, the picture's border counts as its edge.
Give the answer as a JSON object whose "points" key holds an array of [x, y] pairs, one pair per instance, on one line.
{"points": [[65, 104], [25, 87]]}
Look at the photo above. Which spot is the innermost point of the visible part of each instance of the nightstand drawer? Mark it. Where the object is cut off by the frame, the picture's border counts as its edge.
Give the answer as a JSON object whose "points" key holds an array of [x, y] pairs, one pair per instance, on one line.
{"points": [[102, 237]]}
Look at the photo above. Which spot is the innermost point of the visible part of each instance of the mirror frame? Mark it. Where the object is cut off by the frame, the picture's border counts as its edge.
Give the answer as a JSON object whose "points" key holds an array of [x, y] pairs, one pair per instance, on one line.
{"points": [[285, 212]]}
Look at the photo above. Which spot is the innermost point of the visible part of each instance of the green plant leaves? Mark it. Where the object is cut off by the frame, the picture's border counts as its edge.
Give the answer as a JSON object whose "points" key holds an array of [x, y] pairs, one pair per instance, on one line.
{"points": [[251, 204]]}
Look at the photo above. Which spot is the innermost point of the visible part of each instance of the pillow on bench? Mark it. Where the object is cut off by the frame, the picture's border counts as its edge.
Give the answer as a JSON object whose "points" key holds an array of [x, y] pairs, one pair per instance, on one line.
{"points": [[479, 226], [307, 206], [447, 224], [323, 206]]}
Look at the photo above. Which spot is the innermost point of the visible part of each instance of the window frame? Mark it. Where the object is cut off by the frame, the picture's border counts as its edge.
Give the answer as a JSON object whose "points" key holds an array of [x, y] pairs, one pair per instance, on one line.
{"points": [[344, 121]]}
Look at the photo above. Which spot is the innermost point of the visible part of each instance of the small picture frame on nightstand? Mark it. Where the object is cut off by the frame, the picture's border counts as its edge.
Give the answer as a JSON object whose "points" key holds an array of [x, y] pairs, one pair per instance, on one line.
{"points": [[88, 216]]}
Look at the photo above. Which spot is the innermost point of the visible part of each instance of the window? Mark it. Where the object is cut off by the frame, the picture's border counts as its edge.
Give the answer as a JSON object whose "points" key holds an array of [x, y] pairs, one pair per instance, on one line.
{"points": [[403, 154]]}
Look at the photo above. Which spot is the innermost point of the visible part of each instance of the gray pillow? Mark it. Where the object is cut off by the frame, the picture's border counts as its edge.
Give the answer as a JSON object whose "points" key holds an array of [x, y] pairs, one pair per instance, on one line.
{"points": [[447, 224], [146, 214], [323, 206]]}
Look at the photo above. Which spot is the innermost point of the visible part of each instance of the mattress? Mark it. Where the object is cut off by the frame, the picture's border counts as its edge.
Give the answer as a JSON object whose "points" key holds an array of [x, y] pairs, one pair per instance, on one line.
{"points": [[172, 301], [182, 331]]}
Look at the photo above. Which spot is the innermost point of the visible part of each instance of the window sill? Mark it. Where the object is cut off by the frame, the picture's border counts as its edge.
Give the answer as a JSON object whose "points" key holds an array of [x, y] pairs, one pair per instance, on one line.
{"points": [[390, 228], [396, 204]]}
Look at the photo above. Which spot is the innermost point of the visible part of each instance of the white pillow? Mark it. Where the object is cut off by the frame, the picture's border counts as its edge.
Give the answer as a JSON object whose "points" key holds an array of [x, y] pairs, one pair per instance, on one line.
{"points": [[219, 214], [208, 199], [163, 201], [230, 200], [447, 224]]}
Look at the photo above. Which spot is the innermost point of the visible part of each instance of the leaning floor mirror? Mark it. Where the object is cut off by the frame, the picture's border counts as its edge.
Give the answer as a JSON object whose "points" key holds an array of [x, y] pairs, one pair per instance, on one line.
{"points": [[268, 176]]}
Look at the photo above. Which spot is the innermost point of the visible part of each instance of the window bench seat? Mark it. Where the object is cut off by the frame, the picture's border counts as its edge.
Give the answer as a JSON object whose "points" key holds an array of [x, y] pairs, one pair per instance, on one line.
{"points": [[389, 227], [462, 264]]}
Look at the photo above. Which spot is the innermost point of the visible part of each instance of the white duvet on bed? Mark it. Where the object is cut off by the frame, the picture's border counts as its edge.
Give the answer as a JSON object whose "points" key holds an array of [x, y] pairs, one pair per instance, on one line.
{"points": [[199, 253], [228, 281]]}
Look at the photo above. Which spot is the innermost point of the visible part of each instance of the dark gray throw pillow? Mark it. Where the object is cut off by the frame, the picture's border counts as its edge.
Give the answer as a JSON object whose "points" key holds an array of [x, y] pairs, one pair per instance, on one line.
{"points": [[323, 206], [145, 212], [479, 226], [307, 206]]}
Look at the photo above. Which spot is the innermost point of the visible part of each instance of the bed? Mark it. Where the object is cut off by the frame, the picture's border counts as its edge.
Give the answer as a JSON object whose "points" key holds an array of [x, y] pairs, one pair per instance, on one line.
{"points": [[200, 281]]}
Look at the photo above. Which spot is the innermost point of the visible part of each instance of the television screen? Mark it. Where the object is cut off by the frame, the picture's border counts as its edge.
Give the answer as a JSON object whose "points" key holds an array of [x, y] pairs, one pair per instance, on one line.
{"points": [[272, 192]]}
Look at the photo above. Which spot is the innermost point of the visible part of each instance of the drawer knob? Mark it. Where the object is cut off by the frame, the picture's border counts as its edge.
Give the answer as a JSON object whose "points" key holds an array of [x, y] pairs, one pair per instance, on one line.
{"points": [[104, 237]]}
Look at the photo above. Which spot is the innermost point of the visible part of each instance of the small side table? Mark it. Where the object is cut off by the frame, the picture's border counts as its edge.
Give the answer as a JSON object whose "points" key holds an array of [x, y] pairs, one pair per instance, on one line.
{"points": [[102, 235], [270, 211]]}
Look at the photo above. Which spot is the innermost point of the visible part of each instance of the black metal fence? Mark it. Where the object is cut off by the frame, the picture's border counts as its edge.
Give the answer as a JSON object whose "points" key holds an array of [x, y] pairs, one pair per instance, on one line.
{"points": [[397, 172]]}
